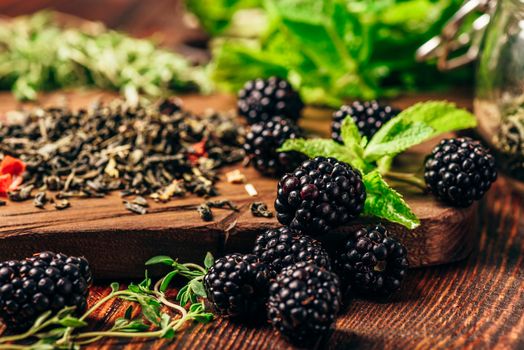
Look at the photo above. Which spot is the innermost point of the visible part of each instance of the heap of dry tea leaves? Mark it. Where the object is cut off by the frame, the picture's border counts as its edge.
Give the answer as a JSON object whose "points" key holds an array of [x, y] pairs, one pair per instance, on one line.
{"points": [[156, 150]]}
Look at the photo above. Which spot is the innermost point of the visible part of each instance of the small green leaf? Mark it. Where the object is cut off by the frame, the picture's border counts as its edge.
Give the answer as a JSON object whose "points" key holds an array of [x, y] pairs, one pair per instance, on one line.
{"points": [[115, 287], [135, 326], [204, 317], [121, 322], [209, 260], [442, 116], [134, 288], [404, 134], [324, 148], [198, 288], [196, 308], [167, 279], [161, 259], [42, 318], [168, 334], [72, 322], [183, 295], [349, 132], [129, 312], [384, 202], [151, 313]]}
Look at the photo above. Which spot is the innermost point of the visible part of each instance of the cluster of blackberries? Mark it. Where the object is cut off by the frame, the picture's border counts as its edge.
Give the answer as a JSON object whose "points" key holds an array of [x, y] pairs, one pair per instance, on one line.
{"points": [[272, 108], [300, 286], [43, 282]]}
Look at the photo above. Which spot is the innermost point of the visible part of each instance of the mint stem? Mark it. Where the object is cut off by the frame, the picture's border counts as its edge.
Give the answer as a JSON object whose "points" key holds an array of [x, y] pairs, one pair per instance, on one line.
{"points": [[408, 178]]}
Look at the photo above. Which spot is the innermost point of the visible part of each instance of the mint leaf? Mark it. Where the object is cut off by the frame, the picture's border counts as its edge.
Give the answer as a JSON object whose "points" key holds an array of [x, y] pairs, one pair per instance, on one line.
{"points": [[350, 134], [443, 116], [415, 125], [324, 148], [161, 259], [402, 135], [384, 202]]}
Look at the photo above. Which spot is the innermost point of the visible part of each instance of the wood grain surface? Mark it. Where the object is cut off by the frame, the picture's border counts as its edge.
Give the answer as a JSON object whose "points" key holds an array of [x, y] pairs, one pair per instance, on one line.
{"points": [[476, 303]]}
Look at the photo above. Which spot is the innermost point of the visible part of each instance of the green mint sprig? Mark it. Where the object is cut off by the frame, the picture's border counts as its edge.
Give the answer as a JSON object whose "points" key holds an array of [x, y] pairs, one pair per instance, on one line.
{"points": [[151, 314], [374, 157]]}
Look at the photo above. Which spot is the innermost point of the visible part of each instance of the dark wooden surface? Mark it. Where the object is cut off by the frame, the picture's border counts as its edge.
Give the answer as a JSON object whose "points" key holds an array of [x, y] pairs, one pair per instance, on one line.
{"points": [[477, 303], [96, 228]]}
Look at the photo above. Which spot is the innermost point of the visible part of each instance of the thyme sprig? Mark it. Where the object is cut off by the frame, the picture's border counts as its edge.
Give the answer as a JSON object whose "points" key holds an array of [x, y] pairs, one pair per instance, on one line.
{"points": [[158, 317]]}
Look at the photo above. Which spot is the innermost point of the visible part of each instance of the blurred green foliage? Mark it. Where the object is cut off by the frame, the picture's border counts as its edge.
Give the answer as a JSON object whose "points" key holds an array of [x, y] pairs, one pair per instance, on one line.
{"points": [[329, 50], [36, 54]]}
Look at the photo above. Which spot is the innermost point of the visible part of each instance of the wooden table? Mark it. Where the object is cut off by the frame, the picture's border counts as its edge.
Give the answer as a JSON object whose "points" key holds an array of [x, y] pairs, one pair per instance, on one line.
{"points": [[474, 304]]}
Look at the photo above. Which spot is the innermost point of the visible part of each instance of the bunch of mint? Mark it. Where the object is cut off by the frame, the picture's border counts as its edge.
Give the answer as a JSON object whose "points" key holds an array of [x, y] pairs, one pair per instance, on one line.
{"points": [[329, 50], [373, 157]]}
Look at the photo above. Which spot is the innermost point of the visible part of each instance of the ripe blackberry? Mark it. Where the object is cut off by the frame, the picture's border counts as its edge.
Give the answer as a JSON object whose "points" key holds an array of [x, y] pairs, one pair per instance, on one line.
{"points": [[372, 263], [237, 285], [459, 171], [321, 194], [262, 99], [46, 281], [369, 117], [283, 247], [262, 142], [304, 301]]}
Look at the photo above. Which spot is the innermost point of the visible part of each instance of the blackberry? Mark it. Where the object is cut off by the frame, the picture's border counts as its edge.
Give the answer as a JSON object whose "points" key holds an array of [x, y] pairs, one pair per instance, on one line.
{"points": [[321, 194], [372, 263], [369, 117], [46, 281], [283, 247], [237, 285], [262, 99], [459, 171], [262, 142], [304, 301]]}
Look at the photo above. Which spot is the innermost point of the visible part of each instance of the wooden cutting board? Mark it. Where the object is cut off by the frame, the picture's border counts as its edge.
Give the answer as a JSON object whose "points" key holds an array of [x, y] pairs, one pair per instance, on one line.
{"points": [[117, 242]]}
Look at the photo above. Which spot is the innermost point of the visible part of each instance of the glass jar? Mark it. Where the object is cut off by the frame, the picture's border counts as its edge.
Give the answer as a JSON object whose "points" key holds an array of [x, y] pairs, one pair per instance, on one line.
{"points": [[499, 95], [496, 41]]}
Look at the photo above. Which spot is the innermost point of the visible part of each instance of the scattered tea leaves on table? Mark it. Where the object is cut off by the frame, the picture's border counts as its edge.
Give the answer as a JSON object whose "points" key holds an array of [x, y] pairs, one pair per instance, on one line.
{"points": [[135, 149], [223, 204], [260, 209], [40, 200], [205, 212], [135, 208], [62, 204]]}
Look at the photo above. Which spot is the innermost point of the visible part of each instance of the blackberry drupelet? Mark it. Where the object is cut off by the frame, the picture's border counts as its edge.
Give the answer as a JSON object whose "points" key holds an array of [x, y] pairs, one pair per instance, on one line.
{"points": [[369, 117], [46, 281], [304, 301], [459, 171], [262, 99], [283, 247], [372, 263], [237, 285], [321, 194], [262, 142]]}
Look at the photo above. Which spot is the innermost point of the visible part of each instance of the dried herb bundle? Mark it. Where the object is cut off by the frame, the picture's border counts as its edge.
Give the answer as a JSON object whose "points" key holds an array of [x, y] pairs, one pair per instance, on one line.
{"points": [[158, 150]]}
